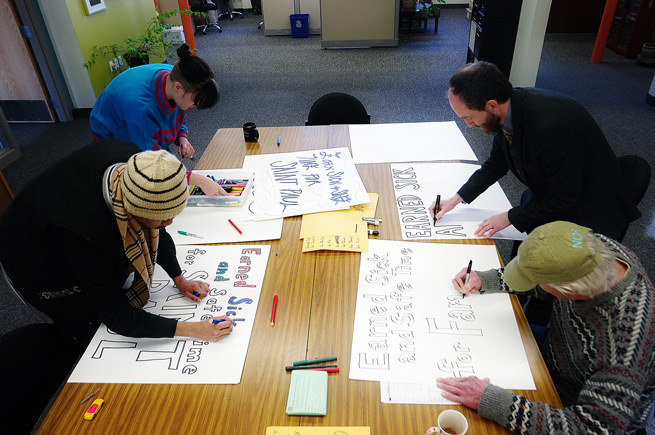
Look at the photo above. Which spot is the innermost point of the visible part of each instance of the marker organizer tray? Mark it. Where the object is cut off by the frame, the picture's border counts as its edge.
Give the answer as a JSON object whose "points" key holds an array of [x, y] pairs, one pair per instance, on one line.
{"points": [[240, 182]]}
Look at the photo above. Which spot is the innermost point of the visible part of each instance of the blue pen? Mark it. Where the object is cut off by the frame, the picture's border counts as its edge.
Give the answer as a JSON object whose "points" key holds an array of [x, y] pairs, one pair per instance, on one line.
{"points": [[196, 294], [214, 179], [279, 139]]}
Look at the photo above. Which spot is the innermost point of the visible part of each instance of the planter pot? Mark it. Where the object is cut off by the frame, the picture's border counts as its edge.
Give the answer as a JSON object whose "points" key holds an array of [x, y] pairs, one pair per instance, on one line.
{"points": [[133, 61], [647, 55]]}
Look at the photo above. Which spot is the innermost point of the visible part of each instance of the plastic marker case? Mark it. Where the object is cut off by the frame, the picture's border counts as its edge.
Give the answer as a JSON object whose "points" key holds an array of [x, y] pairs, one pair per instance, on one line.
{"points": [[244, 178]]}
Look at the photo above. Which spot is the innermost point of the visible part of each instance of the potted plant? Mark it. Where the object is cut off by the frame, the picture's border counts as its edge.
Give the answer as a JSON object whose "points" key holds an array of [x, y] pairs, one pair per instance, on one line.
{"points": [[139, 49], [429, 9]]}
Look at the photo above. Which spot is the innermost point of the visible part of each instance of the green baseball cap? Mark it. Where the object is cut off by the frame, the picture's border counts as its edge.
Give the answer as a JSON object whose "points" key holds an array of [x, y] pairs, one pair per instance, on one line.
{"points": [[554, 253]]}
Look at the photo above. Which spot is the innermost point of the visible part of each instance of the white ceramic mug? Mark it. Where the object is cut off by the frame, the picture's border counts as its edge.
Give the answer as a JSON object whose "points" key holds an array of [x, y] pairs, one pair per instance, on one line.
{"points": [[452, 422]]}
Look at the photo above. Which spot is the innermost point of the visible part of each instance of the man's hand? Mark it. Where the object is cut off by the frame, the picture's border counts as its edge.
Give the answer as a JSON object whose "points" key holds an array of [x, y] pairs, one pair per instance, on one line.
{"points": [[184, 147], [194, 290], [492, 225], [475, 283], [445, 205], [466, 391]]}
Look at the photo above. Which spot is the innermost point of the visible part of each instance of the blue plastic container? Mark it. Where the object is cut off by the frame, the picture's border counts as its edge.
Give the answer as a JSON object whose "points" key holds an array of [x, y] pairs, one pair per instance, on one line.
{"points": [[299, 25]]}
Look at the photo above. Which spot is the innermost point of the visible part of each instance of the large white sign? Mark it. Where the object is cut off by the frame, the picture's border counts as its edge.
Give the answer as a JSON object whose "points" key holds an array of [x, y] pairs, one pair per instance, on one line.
{"points": [[417, 186], [292, 184], [408, 142], [412, 326], [235, 275]]}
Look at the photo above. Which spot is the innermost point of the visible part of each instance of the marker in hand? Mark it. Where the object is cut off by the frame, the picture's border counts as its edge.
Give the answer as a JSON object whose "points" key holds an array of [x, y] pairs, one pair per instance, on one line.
{"points": [[436, 209], [468, 275]]}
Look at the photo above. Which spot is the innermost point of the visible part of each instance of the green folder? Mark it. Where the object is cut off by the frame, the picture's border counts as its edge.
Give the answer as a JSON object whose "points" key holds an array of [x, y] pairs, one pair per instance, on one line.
{"points": [[307, 393]]}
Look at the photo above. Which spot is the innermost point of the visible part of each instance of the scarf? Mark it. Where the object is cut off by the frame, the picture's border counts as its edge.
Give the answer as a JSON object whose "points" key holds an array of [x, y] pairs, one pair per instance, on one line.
{"points": [[140, 244]]}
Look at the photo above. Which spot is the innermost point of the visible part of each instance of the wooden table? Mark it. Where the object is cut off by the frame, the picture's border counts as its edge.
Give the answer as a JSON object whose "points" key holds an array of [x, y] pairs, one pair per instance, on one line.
{"points": [[315, 317]]}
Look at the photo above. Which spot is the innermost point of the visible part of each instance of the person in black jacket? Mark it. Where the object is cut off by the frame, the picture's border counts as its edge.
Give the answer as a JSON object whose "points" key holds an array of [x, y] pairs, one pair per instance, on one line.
{"points": [[551, 144], [80, 242]]}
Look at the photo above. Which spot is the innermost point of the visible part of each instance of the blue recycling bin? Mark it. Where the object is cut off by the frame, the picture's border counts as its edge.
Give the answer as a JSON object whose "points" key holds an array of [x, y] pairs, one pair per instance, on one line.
{"points": [[299, 25]]}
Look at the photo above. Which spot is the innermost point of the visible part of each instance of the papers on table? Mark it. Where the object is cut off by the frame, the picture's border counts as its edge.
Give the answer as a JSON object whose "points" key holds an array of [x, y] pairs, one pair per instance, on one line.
{"points": [[416, 394], [307, 393], [416, 186], [318, 430], [292, 184], [412, 142], [341, 230], [211, 223], [412, 326], [113, 358]]}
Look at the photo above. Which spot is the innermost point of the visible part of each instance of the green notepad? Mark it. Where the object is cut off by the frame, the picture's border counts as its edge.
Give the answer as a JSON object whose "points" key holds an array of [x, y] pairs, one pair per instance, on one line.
{"points": [[307, 393]]}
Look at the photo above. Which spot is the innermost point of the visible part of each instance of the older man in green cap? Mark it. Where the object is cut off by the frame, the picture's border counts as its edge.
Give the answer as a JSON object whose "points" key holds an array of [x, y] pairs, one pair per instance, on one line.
{"points": [[599, 348]]}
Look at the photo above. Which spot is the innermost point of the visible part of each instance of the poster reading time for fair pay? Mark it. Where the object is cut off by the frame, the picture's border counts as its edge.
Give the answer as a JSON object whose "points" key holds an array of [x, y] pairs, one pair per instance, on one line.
{"points": [[235, 275], [412, 326]]}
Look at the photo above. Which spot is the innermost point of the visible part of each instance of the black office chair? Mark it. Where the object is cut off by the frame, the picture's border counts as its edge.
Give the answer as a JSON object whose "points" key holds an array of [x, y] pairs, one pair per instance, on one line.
{"points": [[226, 10], [206, 7], [35, 361], [337, 108], [636, 174]]}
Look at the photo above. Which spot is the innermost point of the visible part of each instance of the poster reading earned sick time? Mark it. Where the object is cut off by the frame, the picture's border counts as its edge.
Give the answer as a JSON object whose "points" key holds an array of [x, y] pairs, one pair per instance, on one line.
{"points": [[235, 275], [412, 326]]}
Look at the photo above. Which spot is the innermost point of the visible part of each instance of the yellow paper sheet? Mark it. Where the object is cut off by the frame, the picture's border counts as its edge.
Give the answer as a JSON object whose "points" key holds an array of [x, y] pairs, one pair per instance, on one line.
{"points": [[343, 222], [369, 208], [318, 430], [354, 243]]}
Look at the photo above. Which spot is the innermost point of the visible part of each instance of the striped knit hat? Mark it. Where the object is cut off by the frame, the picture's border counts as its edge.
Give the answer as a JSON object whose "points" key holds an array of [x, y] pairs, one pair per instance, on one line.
{"points": [[154, 185]]}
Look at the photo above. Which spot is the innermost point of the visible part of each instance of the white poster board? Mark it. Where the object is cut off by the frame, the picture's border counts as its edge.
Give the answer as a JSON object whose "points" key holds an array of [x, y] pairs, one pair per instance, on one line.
{"points": [[292, 184], [212, 224], [412, 326], [410, 142], [235, 275], [417, 185]]}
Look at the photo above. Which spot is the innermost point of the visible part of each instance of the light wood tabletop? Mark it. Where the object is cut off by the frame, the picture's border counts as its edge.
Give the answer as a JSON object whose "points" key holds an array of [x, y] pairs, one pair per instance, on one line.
{"points": [[315, 316]]}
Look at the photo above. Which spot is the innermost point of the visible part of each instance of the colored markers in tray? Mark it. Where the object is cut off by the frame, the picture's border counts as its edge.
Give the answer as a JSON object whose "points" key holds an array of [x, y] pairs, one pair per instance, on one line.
{"points": [[237, 187]]}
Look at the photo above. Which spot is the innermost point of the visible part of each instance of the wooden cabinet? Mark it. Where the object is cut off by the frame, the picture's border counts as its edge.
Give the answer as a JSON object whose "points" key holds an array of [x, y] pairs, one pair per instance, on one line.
{"points": [[632, 26]]}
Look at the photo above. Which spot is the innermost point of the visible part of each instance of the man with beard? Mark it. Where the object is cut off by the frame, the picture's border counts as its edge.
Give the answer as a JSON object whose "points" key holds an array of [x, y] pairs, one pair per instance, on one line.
{"points": [[551, 144]]}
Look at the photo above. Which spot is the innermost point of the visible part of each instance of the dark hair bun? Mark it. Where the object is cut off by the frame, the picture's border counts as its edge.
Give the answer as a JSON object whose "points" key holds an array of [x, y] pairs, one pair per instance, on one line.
{"points": [[183, 51]]}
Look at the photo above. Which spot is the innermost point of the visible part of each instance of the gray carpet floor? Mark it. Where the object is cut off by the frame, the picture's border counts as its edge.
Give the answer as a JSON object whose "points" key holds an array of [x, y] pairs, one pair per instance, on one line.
{"points": [[273, 81]]}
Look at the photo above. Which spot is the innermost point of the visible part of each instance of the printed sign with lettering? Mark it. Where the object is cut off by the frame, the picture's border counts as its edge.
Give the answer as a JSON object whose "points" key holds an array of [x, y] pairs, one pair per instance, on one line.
{"points": [[235, 275], [412, 326]]}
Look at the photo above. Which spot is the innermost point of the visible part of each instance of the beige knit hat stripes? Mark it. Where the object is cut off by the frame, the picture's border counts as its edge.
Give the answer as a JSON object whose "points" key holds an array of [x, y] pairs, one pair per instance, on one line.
{"points": [[154, 185]]}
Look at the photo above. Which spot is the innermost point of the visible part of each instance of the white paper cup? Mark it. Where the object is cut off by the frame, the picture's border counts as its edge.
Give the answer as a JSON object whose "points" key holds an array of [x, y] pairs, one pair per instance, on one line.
{"points": [[452, 422]]}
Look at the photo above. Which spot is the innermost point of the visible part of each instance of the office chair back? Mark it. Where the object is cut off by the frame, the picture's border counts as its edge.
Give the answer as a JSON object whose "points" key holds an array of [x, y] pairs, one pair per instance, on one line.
{"points": [[35, 361], [337, 108], [636, 173]]}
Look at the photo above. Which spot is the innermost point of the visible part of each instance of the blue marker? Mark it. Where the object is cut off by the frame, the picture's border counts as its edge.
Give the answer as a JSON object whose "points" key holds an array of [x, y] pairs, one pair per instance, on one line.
{"points": [[279, 139], [223, 320], [196, 294]]}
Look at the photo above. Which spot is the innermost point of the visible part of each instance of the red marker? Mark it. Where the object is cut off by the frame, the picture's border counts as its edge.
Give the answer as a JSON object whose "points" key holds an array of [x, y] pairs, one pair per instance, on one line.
{"points": [[234, 225], [274, 310], [327, 369]]}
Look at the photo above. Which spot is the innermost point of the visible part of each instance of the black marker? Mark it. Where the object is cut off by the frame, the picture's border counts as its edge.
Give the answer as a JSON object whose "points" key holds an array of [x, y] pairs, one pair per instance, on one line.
{"points": [[468, 275], [374, 232], [436, 209]]}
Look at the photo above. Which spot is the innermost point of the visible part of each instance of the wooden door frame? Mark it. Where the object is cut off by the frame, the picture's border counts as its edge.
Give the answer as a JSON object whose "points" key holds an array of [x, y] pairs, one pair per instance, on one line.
{"points": [[47, 65]]}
